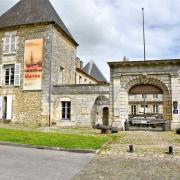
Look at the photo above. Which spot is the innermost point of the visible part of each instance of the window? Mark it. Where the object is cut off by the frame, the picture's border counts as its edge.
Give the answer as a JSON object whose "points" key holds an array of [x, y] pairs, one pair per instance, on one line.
{"points": [[155, 108], [143, 106], [155, 96], [133, 110], [9, 75], [10, 43], [80, 80], [132, 97], [144, 96], [66, 110], [6, 104]]}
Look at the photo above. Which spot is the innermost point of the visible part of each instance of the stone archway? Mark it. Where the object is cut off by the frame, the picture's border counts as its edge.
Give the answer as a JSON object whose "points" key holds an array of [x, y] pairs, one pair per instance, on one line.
{"points": [[100, 113], [167, 97]]}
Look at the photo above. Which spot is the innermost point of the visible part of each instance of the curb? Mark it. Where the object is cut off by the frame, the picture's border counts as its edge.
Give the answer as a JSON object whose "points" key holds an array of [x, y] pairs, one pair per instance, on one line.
{"points": [[103, 146], [48, 148]]}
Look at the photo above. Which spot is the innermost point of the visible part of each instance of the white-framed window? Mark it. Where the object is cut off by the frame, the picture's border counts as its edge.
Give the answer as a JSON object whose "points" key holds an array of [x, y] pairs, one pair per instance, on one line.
{"points": [[155, 96], [9, 46], [155, 108], [80, 80], [133, 109], [10, 74], [144, 96], [6, 107], [66, 110], [132, 97]]}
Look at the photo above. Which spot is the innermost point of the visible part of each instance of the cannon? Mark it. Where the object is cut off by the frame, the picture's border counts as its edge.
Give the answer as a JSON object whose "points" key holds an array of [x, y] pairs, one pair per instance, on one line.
{"points": [[105, 129]]}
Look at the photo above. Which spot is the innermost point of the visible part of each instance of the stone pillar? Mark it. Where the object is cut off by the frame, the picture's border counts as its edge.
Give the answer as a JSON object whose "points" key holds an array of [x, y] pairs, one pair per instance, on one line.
{"points": [[119, 103], [175, 81]]}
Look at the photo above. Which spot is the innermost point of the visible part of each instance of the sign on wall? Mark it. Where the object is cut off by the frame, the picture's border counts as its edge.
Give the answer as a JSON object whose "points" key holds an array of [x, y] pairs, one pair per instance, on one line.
{"points": [[175, 107], [33, 59]]}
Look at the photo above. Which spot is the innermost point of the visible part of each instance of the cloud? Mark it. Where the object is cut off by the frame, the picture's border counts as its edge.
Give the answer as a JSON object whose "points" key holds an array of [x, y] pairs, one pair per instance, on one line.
{"points": [[107, 30]]}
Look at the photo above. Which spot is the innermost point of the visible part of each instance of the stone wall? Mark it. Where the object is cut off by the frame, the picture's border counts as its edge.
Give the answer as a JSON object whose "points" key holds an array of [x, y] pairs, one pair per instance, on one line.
{"points": [[175, 81], [124, 76], [83, 108], [76, 89], [26, 104], [62, 53]]}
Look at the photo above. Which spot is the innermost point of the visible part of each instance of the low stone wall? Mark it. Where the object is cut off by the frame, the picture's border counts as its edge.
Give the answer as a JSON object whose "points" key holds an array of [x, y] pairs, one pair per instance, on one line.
{"points": [[83, 107], [81, 89]]}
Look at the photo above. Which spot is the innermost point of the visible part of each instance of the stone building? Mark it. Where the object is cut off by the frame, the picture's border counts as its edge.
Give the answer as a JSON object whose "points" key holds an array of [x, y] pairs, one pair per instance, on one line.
{"points": [[158, 81], [38, 64], [43, 82]]}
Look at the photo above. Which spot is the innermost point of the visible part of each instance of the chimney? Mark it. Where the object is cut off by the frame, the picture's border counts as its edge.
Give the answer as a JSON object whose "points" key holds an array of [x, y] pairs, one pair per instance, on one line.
{"points": [[77, 62], [125, 59], [81, 64]]}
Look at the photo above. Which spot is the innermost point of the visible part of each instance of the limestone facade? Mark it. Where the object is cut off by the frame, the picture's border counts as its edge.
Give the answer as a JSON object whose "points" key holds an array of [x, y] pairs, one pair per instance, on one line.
{"points": [[163, 74], [31, 107], [85, 108]]}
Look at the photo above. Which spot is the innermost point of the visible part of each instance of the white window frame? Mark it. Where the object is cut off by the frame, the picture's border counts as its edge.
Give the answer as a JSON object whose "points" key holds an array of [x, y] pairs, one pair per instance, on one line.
{"points": [[133, 109], [155, 96], [144, 96], [9, 67], [155, 108], [17, 75], [66, 110], [80, 79], [9, 43], [8, 107]]}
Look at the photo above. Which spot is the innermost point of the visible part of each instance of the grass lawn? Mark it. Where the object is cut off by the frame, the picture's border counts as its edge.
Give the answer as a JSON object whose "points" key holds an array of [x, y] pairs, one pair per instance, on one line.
{"points": [[66, 141]]}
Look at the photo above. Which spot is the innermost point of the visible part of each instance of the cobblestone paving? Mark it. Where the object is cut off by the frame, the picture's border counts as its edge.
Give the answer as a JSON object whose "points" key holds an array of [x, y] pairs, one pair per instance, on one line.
{"points": [[149, 161]]}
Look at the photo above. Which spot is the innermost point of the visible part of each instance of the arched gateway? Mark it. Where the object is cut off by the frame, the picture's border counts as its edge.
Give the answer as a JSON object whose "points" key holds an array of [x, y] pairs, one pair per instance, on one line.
{"points": [[149, 89]]}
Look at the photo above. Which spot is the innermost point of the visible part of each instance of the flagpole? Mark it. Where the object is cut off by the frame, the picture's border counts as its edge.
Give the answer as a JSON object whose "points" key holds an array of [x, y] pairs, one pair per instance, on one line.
{"points": [[144, 41]]}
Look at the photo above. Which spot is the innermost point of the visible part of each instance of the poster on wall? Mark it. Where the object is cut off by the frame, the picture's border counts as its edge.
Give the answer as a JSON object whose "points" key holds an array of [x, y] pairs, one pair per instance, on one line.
{"points": [[33, 59]]}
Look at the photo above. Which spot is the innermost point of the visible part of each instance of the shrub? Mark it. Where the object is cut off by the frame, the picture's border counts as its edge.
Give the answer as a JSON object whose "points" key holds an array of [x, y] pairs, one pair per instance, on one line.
{"points": [[178, 131]]}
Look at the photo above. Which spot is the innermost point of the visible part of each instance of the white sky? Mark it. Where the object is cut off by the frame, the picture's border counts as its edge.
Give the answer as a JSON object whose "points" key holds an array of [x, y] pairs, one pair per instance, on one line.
{"points": [[107, 30]]}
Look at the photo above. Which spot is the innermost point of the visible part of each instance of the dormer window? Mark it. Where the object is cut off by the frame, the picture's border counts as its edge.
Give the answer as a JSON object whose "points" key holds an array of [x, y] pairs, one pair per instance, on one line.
{"points": [[9, 43]]}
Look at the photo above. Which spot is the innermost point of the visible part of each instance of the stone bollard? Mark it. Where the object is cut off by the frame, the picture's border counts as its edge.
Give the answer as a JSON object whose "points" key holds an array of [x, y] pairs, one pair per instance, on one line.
{"points": [[131, 149], [170, 150]]}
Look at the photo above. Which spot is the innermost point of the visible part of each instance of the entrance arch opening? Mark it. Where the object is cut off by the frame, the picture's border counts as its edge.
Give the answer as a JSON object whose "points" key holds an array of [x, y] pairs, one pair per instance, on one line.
{"points": [[146, 105], [100, 113], [105, 116]]}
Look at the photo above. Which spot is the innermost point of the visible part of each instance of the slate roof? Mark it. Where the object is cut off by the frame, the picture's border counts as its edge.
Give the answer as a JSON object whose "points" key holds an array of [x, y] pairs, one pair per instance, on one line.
{"points": [[92, 69], [32, 12]]}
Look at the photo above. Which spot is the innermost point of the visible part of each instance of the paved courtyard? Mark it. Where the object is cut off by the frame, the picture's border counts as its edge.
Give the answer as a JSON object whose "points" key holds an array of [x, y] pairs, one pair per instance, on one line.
{"points": [[33, 164], [149, 161]]}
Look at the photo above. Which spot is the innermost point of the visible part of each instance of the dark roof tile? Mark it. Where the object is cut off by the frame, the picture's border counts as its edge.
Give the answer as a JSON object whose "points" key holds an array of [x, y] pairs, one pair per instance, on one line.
{"points": [[31, 12], [92, 69]]}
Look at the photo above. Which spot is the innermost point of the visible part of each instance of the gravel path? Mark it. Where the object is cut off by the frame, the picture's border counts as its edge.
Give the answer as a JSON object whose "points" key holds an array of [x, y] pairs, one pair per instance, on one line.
{"points": [[149, 161]]}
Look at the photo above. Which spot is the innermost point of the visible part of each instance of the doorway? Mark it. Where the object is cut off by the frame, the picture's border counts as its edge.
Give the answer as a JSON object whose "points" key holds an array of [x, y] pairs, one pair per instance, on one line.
{"points": [[105, 116]]}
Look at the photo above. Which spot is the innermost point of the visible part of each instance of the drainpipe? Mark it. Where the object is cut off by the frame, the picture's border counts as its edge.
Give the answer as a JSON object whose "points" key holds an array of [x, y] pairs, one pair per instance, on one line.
{"points": [[50, 75]]}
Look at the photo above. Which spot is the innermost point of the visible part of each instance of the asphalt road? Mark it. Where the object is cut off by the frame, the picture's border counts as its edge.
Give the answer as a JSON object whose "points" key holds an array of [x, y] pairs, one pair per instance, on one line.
{"points": [[18, 163]]}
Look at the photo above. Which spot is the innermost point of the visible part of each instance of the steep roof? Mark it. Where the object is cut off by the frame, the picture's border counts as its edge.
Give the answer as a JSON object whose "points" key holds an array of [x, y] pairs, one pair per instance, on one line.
{"points": [[32, 12], [92, 69], [86, 74]]}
